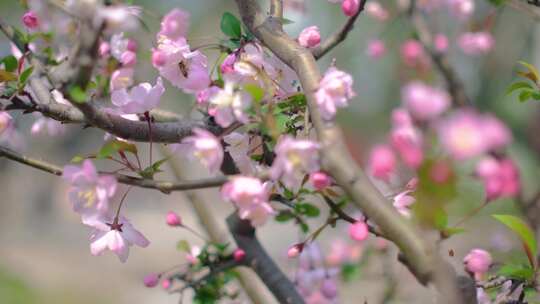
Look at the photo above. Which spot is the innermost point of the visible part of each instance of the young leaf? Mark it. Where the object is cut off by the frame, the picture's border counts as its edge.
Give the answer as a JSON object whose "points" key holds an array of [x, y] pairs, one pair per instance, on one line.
{"points": [[524, 232], [284, 216], [256, 92], [10, 63], [231, 26], [114, 146], [518, 85], [149, 172], [524, 95], [25, 74], [77, 94], [533, 72]]}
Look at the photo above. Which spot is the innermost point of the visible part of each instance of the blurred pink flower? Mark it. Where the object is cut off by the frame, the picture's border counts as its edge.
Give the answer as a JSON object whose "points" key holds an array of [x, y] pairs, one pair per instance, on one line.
{"points": [[173, 219], [310, 37], [382, 162], [402, 202], [104, 49], [121, 78], [497, 134], [500, 177], [376, 10], [238, 148], [228, 64], [461, 134], [185, 69], [128, 59], [294, 159], [239, 255], [440, 43], [49, 125], [424, 102], [206, 147], [376, 49], [114, 236], [462, 9], [89, 192], [476, 43], [412, 52], [406, 139], [359, 231], [175, 24], [477, 262], [229, 105], [151, 280], [335, 90], [140, 99]]}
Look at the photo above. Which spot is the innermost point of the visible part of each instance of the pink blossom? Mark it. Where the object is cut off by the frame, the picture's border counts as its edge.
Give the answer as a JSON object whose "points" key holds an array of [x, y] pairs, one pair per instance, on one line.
{"points": [[477, 262], [476, 43], [320, 180], [463, 9], [238, 147], [376, 10], [6, 122], [329, 288], [376, 49], [159, 58], [424, 102], [119, 18], [49, 125], [251, 197], [118, 45], [295, 250], [294, 158], [229, 105], [500, 177], [497, 134], [412, 52], [462, 135], [335, 90], [104, 49], [89, 192], [30, 20], [382, 162], [175, 24], [406, 139], [239, 255], [116, 236], [203, 97], [402, 203], [142, 98], [121, 78], [132, 46], [350, 7], [128, 59], [192, 256], [173, 219], [342, 252], [359, 231], [310, 37], [440, 43], [166, 284], [151, 280], [206, 147], [228, 64], [185, 69]]}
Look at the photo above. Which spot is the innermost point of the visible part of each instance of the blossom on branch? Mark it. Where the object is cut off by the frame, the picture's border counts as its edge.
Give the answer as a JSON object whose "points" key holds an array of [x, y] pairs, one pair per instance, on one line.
{"points": [[251, 197], [205, 147], [335, 91], [140, 99]]}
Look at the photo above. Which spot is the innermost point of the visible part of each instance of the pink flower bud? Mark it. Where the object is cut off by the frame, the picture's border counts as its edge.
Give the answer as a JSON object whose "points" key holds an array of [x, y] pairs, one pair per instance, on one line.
{"points": [[30, 20], [376, 49], [441, 172], [477, 262], [441, 43], [358, 231], [166, 284], [295, 250], [310, 37], [382, 162], [158, 58], [350, 7], [128, 59], [228, 64], [132, 45], [104, 49], [412, 184], [173, 219], [320, 180], [412, 52], [329, 288], [151, 280], [239, 255]]}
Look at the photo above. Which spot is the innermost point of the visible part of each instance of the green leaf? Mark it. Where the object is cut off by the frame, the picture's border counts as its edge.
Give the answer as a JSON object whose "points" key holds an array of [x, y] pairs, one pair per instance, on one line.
{"points": [[496, 2], [519, 272], [77, 94], [518, 85], [150, 171], [183, 245], [256, 92], [349, 272], [114, 146], [231, 26], [25, 74], [7, 76], [533, 72], [77, 159], [285, 21], [307, 209], [525, 95], [10, 63], [524, 232], [284, 216]]}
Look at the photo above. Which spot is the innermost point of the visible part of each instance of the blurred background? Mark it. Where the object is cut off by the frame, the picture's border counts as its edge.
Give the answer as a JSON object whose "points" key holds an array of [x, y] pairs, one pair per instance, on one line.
{"points": [[45, 258]]}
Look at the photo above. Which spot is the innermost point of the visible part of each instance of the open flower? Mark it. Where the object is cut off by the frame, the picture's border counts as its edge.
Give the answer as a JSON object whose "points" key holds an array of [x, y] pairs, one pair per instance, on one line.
{"points": [[185, 69], [335, 90], [114, 235], [229, 105], [251, 197], [238, 148], [500, 177], [142, 98], [382, 162], [406, 139], [478, 43], [424, 102], [294, 159], [205, 147], [403, 201], [89, 192], [175, 24]]}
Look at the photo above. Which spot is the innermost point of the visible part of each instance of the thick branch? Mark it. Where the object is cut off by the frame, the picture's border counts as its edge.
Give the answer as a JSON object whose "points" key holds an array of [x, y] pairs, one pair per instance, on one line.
{"points": [[339, 36], [261, 262], [163, 186], [425, 263]]}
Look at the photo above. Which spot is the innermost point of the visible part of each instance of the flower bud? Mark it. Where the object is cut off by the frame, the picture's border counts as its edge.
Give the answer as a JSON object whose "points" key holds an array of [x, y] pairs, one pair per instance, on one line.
{"points": [[350, 7], [30, 20], [310, 37], [151, 280], [128, 58], [239, 255], [166, 284], [173, 219], [295, 250], [359, 231], [158, 58], [104, 49], [329, 288], [320, 180]]}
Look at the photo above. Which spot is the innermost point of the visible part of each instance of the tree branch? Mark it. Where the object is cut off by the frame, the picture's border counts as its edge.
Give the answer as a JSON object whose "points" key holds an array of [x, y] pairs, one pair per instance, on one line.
{"points": [[339, 36], [423, 259], [257, 258], [163, 186]]}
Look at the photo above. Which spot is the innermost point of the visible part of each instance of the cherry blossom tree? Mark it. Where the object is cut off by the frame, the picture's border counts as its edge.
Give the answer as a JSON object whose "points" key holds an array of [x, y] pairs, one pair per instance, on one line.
{"points": [[264, 126]]}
